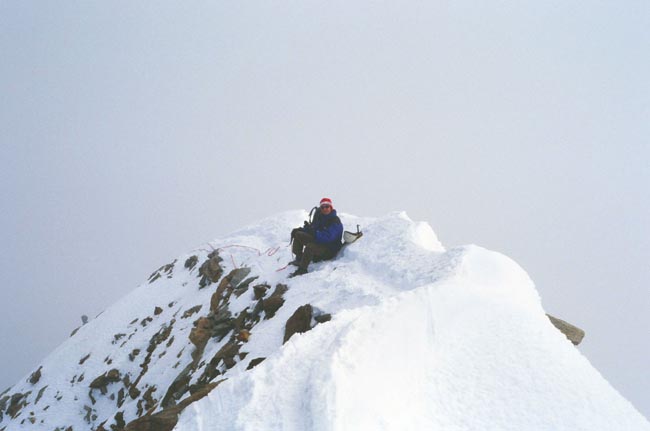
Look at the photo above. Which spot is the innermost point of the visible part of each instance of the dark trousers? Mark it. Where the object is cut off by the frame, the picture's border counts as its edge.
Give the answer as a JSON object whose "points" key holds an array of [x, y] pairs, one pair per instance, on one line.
{"points": [[307, 250]]}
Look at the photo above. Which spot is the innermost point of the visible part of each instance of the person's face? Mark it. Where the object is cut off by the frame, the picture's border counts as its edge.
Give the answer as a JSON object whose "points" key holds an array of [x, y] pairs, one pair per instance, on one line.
{"points": [[326, 209]]}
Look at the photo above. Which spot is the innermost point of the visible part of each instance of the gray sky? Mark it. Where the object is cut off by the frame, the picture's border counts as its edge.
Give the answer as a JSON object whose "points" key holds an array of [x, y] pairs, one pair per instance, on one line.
{"points": [[132, 132]]}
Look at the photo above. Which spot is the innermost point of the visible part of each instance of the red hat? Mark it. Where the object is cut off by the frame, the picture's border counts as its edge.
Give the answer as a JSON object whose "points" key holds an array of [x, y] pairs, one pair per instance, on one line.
{"points": [[326, 201]]}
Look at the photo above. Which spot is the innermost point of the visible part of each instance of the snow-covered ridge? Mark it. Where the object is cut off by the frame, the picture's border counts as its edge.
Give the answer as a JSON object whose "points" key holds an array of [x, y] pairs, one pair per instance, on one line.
{"points": [[397, 333]]}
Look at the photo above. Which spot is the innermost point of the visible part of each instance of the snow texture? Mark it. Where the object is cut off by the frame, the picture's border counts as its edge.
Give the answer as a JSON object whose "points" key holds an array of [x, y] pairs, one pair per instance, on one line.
{"points": [[421, 338]]}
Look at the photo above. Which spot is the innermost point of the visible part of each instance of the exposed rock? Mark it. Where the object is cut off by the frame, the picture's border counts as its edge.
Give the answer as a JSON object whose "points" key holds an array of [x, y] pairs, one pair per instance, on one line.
{"points": [[227, 354], [259, 290], [221, 324], [119, 422], [223, 360], [133, 354], [322, 318], [157, 311], [89, 414], [300, 321], [238, 277], [573, 333], [16, 403], [254, 362], [166, 269], [178, 387], [273, 303], [158, 338], [200, 334], [244, 320], [40, 394], [243, 335], [101, 382], [162, 421], [36, 376], [3, 403], [121, 396], [214, 325], [166, 419], [134, 392], [190, 311], [243, 286], [211, 270], [191, 262], [147, 402], [82, 360], [226, 287]]}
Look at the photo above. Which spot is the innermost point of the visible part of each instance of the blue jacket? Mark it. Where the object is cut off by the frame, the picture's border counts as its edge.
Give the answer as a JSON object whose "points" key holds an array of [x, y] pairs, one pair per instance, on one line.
{"points": [[328, 230]]}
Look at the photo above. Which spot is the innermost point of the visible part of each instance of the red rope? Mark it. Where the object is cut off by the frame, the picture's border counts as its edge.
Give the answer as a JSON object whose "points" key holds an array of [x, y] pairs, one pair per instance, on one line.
{"points": [[271, 251], [268, 252]]}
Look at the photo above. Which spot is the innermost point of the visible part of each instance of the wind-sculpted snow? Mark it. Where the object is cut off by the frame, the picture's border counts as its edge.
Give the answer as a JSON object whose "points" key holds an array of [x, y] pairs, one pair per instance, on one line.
{"points": [[419, 338]]}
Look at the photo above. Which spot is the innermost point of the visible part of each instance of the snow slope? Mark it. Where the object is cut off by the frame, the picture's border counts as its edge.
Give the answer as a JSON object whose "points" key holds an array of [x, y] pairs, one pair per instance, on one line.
{"points": [[420, 338]]}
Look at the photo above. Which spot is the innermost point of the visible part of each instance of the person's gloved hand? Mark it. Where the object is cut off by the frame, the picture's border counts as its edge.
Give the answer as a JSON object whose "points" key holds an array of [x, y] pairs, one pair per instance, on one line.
{"points": [[309, 229]]}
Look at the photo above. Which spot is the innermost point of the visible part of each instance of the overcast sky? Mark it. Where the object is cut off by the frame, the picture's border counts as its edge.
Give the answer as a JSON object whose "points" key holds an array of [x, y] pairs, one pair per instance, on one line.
{"points": [[132, 132]]}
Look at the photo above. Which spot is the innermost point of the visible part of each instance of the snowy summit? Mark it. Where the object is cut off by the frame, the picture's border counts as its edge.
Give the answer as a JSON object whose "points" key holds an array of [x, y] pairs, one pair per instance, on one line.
{"points": [[397, 333]]}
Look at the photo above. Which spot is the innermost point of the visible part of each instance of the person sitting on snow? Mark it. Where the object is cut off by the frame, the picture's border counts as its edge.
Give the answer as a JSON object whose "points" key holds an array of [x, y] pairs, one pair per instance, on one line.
{"points": [[319, 239]]}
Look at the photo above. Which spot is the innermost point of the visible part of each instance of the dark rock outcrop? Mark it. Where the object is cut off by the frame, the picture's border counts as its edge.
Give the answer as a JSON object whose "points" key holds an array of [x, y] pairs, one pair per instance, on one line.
{"points": [[166, 419], [187, 313], [322, 318], [211, 270], [147, 402], [573, 333], [16, 403], [191, 262], [254, 362], [260, 291], [165, 269], [101, 382], [226, 287], [178, 387], [244, 335], [200, 334], [273, 303], [35, 377], [299, 322], [223, 360]]}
